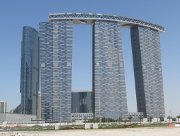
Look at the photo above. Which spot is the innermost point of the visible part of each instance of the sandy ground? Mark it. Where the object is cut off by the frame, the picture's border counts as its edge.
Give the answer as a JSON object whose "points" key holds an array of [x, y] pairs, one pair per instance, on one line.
{"points": [[102, 132]]}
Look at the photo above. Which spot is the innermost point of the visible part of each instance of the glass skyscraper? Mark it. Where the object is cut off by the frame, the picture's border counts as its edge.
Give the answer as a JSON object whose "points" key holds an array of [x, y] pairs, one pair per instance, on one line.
{"points": [[47, 67], [29, 84]]}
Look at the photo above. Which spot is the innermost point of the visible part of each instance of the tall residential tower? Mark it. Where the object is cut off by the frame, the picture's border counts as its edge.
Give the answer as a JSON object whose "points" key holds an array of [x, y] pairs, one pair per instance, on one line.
{"points": [[56, 70], [148, 71], [108, 71]]}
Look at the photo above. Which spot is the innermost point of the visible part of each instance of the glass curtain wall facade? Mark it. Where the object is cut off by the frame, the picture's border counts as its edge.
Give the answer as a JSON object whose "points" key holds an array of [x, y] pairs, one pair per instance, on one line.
{"points": [[148, 71], [55, 70], [108, 71], [81, 102], [29, 84]]}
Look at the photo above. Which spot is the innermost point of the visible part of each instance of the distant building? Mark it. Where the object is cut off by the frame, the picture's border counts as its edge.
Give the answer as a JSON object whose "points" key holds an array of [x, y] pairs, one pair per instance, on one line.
{"points": [[135, 116], [17, 109], [10, 118], [3, 107], [82, 102], [81, 116]]}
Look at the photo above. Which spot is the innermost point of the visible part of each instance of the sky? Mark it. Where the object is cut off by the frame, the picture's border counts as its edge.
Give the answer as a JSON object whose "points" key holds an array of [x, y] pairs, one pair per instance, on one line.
{"points": [[16, 14]]}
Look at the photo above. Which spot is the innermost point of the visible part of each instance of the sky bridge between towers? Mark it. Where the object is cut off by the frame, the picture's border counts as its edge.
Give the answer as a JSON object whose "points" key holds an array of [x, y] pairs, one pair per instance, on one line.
{"points": [[89, 18]]}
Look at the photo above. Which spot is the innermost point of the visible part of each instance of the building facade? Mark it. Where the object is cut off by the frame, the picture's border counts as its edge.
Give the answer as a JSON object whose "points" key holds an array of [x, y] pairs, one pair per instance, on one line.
{"points": [[108, 83], [136, 116], [9, 118], [29, 84], [82, 102], [3, 107], [108, 71], [148, 71], [55, 70], [82, 116]]}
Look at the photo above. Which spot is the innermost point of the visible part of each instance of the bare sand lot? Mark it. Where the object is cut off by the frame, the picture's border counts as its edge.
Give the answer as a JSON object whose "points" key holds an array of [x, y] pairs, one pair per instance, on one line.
{"points": [[101, 132]]}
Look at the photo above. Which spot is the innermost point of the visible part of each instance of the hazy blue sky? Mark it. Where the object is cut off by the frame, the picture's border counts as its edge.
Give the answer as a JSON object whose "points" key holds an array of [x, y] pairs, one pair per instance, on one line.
{"points": [[15, 14]]}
